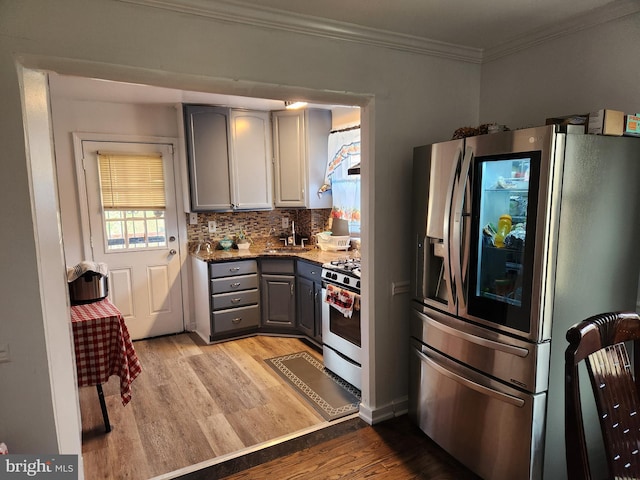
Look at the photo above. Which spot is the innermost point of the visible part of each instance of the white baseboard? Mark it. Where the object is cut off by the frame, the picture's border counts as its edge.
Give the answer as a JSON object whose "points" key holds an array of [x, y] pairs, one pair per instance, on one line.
{"points": [[396, 408]]}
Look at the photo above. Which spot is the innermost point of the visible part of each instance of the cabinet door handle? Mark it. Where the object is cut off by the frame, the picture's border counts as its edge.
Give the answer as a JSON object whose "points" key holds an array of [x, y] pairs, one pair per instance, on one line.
{"points": [[235, 300], [236, 320], [234, 285], [291, 289], [234, 269]]}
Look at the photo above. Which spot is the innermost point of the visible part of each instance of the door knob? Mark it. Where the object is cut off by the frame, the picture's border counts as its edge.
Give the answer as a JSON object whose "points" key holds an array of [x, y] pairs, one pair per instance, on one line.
{"points": [[172, 238], [172, 251]]}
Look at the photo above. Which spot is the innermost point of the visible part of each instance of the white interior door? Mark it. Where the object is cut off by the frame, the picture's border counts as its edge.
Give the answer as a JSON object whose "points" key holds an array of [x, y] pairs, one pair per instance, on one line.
{"points": [[140, 246]]}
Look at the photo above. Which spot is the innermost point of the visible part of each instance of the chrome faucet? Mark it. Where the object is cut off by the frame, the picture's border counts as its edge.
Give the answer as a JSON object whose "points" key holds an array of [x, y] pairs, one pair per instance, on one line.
{"points": [[272, 231], [293, 233]]}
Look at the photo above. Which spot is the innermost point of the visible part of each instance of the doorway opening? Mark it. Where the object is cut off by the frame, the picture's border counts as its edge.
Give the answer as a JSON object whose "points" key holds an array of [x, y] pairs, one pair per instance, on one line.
{"points": [[280, 93]]}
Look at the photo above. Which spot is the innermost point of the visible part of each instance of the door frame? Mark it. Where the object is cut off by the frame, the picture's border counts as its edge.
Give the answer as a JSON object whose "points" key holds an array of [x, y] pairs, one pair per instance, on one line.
{"points": [[178, 160]]}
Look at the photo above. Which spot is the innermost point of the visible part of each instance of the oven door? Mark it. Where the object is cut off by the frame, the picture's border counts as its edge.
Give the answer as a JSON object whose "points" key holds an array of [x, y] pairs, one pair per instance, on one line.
{"points": [[341, 333]]}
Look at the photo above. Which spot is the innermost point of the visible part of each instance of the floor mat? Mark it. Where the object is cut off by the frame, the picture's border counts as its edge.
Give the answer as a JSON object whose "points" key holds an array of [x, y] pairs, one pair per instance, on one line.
{"points": [[331, 396]]}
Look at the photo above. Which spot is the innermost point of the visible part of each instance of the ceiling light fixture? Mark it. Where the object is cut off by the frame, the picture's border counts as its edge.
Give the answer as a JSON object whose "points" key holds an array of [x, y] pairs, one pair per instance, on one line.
{"points": [[294, 105]]}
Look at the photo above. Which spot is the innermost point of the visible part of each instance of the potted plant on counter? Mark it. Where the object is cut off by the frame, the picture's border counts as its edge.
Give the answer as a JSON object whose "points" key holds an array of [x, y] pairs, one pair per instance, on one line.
{"points": [[242, 241]]}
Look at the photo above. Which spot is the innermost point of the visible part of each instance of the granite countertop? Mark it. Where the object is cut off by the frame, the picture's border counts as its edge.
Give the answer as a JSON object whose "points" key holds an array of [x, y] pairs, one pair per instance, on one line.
{"points": [[314, 255]]}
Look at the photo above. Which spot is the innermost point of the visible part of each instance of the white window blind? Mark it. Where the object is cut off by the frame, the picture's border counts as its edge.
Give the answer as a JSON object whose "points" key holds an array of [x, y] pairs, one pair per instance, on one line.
{"points": [[131, 182]]}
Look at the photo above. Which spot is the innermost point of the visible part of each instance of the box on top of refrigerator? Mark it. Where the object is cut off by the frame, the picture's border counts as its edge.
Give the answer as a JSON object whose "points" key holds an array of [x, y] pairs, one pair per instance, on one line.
{"points": [[606, 122], [632, 125]]}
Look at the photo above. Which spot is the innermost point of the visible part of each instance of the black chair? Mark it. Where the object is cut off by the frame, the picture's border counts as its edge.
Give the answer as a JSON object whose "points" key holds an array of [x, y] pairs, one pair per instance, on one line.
{"points": [[598, 340]]}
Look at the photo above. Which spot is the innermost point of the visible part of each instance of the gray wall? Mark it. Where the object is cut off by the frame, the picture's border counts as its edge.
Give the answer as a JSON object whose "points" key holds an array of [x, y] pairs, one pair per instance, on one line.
{"points": [[588, 70], [408, 99], [126, 119]]}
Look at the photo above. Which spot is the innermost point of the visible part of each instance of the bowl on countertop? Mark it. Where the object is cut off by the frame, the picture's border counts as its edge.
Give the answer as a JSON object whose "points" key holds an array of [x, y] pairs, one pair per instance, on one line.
{"points": [[225, 243]]}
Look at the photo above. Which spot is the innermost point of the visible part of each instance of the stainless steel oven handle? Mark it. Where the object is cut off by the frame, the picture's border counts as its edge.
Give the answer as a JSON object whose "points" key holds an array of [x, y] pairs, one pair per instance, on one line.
{"points": [[456, 238], [483, 342], [503, 397]]}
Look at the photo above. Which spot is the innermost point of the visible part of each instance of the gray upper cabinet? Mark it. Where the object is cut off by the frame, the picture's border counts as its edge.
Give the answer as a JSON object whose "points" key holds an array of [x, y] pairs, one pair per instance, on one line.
{"points": [[229, 154], [251, 168], [300, 156], [207, 133]]}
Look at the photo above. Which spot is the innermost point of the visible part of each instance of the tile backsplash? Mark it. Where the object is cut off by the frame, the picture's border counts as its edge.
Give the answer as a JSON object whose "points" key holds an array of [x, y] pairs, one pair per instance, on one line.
{"points": [[258, 225]]}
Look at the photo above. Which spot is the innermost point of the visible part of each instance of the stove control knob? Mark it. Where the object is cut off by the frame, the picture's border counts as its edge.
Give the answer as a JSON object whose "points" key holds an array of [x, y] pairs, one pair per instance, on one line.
{"points": [[358, 284], [334, 276], [346, 280]]}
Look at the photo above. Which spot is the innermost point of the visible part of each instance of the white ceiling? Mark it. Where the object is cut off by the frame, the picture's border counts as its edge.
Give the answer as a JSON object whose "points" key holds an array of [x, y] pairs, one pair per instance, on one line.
{"points": [[483, 28]]}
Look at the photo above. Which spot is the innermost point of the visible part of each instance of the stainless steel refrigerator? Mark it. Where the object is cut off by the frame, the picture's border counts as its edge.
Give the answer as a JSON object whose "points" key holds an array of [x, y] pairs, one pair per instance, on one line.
{"points": [[516, 237]]}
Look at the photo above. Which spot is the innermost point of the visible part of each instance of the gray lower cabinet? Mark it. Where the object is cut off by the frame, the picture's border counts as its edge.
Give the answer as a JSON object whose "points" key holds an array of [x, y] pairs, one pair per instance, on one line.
{"points": [[282, 296], [234, 296], [278, 294], [309, 296], [226, 298]]}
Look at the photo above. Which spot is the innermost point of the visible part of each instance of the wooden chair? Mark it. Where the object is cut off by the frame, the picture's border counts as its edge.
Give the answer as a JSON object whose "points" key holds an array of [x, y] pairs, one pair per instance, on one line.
{"points": [[598, 341]]}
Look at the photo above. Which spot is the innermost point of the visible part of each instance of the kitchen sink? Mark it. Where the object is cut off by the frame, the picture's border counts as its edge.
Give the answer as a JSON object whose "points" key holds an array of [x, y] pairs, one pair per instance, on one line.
{"points": [[289, 249]]}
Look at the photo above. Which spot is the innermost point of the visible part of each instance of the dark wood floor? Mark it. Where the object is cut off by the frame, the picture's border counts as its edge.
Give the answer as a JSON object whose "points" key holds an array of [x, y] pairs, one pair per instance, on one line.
{"points": [[392, 450], [201, 403]]}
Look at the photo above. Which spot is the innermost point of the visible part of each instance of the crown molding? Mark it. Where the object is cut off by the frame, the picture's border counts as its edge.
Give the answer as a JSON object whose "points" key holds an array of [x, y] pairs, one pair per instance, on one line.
{"points": [[264, 17], [258, 16], [598, 16]]}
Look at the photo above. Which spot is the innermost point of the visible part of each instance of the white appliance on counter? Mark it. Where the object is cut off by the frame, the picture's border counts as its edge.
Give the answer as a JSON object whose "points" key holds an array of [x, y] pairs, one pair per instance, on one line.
{"points": [[341, 334], [490, 308]]}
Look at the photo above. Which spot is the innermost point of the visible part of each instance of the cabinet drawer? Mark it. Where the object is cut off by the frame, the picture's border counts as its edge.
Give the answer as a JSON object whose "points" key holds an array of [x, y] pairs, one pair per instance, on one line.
{"points": [[233, 284], [230, 269], [234, 299], [284, 266], [310, 270], [236, 318]]}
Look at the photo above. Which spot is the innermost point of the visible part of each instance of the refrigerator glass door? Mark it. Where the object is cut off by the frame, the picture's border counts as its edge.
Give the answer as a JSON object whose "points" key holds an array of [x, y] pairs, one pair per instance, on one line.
{"points": [[503, 223]]}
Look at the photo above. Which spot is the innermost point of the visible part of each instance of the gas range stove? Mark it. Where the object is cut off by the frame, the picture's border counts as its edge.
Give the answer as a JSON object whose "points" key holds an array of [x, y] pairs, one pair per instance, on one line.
{"points": [[344, 272]]}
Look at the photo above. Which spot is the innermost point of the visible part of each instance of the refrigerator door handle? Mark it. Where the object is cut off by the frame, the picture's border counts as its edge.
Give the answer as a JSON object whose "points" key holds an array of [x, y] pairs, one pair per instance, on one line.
{"points": [[503, 397], [445, 229], [457, 259], [467, 233], [483, 342]]}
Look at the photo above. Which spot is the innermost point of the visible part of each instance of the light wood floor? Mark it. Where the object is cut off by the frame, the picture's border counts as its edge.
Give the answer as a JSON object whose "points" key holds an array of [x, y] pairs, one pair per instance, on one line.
{"points": [[192, 403]]}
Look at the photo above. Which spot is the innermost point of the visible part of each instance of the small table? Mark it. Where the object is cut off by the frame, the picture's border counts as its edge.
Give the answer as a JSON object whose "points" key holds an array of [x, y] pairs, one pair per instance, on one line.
{"points": [[103, 348]]}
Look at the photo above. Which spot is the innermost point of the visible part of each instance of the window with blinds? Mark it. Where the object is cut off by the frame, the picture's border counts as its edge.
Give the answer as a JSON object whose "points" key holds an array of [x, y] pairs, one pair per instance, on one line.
{"points": [[132, 190]]}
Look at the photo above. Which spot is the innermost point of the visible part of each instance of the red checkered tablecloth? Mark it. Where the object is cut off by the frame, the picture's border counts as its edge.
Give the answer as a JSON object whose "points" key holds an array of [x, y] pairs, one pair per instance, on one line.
{"points": [[103, 346]]}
